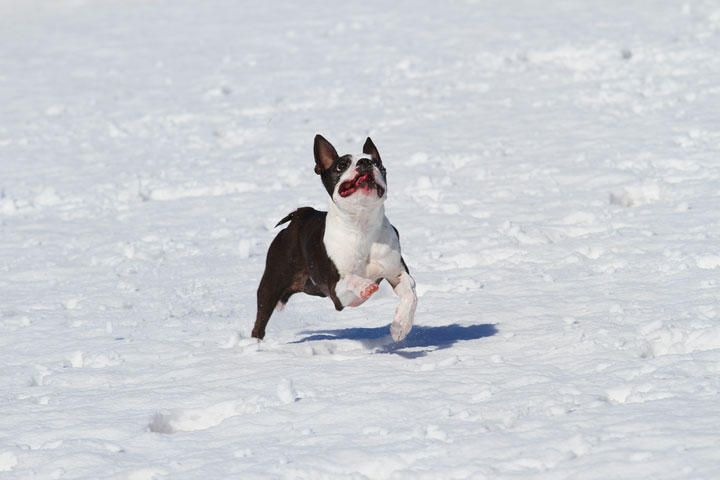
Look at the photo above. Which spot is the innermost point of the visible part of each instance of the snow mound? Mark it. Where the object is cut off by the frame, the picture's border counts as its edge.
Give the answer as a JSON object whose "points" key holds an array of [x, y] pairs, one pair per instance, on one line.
{"points": [[636, 195], [193, 419]]}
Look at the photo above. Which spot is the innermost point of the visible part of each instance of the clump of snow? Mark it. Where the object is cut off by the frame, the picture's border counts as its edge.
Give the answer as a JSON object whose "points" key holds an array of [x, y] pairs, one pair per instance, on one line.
{"points": [[286, 391], [47, 197], [635, 195], [8, 461], [708, 262]]}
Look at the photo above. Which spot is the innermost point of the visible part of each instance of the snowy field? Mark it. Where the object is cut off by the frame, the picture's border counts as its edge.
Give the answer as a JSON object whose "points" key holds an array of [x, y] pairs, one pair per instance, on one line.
{"points": [[554, 172]]}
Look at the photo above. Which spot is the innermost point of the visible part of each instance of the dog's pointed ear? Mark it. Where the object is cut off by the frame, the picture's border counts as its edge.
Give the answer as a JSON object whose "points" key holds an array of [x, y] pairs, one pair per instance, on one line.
{"points": [[370, 149], [325, 154]]}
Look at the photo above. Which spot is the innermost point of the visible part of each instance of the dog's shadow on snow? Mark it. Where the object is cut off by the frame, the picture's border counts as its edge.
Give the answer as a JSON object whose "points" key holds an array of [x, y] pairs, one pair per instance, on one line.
{"points": [[418, 343]]}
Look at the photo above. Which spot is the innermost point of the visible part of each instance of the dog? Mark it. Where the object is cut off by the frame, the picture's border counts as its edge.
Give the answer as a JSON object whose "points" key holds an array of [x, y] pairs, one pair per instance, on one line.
{"points": [[343, 253]]}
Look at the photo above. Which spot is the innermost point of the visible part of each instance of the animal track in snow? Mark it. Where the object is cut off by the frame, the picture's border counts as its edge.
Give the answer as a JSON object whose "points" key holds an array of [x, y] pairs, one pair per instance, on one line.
{"points": [[79, 359], [190, 420], [193, 419], [676, 340]]}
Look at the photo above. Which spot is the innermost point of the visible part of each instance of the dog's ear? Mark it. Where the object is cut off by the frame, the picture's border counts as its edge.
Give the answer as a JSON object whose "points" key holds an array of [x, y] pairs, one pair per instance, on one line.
{"points": [[370, 149], [325, 154]]}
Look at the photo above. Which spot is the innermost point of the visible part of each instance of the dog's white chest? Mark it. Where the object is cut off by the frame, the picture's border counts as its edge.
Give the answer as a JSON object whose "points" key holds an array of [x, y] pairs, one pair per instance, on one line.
{"points": [[369, 249]]}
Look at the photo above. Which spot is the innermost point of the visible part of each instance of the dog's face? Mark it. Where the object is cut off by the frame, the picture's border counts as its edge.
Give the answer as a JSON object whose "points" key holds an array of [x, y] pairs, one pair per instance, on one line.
{"points": [[351, 180]]}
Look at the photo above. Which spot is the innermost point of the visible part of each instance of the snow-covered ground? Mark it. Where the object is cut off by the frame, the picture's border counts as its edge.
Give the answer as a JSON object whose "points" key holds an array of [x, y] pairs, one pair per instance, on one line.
{"points": [[554, 171]]}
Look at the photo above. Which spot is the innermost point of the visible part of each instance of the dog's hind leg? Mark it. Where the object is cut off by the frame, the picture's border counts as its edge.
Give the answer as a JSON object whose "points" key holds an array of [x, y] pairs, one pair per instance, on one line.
{"points": [[269, 294], [276, 284]]}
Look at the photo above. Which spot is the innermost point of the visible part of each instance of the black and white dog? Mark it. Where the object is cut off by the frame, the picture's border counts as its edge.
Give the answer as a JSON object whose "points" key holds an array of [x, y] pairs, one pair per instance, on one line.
{"points": [[343, 253]]}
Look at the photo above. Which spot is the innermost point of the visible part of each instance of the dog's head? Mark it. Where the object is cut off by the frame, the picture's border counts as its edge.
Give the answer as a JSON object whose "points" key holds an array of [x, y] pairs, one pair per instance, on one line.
{"points": [[351, 180]]}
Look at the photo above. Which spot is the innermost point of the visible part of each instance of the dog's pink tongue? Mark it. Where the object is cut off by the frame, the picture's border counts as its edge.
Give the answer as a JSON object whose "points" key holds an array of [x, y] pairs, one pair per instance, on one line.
{"points": [[364, 178]]}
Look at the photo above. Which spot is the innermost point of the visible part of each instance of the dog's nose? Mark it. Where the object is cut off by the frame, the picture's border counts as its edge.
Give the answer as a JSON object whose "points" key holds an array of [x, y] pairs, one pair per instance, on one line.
{"points": [[363, 165]]}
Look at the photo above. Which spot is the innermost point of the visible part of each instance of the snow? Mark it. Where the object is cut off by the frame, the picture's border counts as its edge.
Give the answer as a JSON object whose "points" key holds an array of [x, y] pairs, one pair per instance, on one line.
{"points": [[554, 174]]}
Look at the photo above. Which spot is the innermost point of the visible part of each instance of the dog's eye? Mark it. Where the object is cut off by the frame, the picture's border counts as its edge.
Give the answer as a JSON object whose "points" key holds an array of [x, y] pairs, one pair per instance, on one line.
{"points": [[377, 162], [341, 166]]}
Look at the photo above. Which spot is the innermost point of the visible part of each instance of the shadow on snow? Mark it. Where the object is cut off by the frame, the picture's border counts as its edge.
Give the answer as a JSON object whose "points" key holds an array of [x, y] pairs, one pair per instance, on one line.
{"points": [[426, 338]]}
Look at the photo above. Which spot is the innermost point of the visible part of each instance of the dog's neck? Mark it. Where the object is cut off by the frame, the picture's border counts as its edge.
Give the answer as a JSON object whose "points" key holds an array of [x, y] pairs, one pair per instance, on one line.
{"points": [[364, 220]]}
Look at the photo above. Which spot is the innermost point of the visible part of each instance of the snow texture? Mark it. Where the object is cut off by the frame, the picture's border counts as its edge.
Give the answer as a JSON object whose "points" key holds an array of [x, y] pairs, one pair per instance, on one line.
{"points": [[554, 172]]}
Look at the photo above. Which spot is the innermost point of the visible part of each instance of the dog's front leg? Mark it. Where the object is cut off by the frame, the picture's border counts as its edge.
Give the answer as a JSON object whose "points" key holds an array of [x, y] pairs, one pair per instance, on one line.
{"points": [[404, 287], [352, 290]]}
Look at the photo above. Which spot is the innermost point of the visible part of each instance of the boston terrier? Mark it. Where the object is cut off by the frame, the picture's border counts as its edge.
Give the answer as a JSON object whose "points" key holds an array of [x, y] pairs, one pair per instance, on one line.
{"points": [[343, 253]]}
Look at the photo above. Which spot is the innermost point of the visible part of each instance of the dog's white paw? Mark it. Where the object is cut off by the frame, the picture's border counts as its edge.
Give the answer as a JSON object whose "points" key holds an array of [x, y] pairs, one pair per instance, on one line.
{"points": [[353, 290], [403, 321], [400, 330]]}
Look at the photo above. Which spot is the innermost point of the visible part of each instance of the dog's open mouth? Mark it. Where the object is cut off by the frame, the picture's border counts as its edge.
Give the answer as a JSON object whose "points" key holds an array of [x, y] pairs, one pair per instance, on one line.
{"points": [[363, 182]]}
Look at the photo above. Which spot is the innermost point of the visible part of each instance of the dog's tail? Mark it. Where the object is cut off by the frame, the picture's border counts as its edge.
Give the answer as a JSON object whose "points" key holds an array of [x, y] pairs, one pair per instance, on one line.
{"points": [[287, 218], [302, 212]]}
